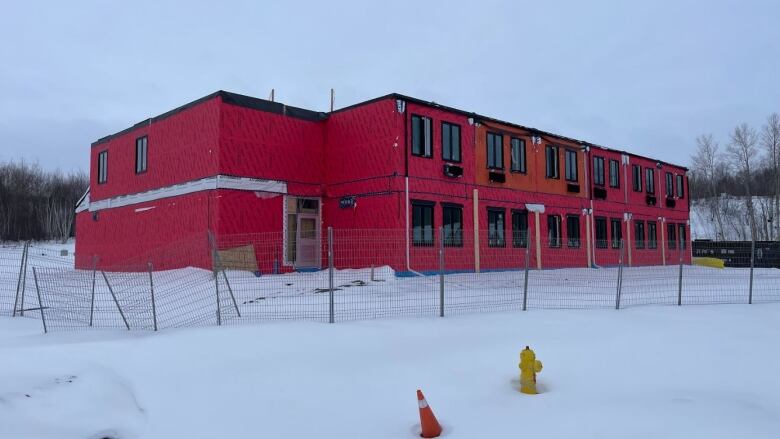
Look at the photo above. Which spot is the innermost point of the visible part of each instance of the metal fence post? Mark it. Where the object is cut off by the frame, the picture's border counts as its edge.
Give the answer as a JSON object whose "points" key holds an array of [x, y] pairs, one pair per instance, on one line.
{"points": [[116, 302], [24, 278], [40, 303], [620, 276], [527, 262], [151, 291], [680, 279], [441, 271], [331, 307], [22, 263], [752, 264], [92, 297]]}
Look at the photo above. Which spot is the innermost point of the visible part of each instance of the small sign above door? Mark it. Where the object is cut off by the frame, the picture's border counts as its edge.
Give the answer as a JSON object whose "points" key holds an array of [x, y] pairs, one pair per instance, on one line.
{"points": [[347, 202]]}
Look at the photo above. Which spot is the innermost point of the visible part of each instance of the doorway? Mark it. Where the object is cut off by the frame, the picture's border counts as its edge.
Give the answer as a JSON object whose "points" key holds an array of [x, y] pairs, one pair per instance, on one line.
{"points": [[302, 232]]}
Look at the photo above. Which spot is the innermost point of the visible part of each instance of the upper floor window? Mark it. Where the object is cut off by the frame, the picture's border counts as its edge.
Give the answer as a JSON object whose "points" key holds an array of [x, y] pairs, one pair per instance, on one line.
{"points": [[571, 165], [636, 175], [422, 223], [421, 136], [598, 171], [495, 151], [573, 231], [518, 156], [614, 173], [669, 185], [496, 225], [140, 154], [452, 225], [551, 159], [102, 170], [520, 228], [554, 230], [650, 180], [450, 141], [617, 232], [680, 188], [601, 232]]}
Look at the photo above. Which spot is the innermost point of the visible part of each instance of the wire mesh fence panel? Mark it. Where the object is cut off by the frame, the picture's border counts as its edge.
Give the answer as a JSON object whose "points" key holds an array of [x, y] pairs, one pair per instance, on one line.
{"points": [[69, 302], [10, 271], [185, 297], [706, 284], [131, 290]]}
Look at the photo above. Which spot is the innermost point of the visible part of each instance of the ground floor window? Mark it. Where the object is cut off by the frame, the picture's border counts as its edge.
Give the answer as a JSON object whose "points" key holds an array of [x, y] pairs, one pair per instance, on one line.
{"points": [[573, 231], [652, 235], [452, 225], [520, 228], [601, 232], [682, 236], [617, 232], [554, 230], [496, 227], [422, 223], [639, 232], [671, 237]]}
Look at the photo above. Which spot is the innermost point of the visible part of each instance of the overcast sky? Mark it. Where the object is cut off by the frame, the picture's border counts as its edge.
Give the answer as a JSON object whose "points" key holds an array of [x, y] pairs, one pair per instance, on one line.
{"points": [[642, 76]]}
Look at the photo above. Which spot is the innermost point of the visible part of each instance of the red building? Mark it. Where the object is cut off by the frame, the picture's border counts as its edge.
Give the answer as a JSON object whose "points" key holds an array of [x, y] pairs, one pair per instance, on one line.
{"points": [[231, 170]]}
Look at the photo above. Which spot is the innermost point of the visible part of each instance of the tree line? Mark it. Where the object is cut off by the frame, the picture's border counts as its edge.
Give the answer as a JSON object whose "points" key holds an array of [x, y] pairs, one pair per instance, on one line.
{"points": [[746, 165], [38, 204]]}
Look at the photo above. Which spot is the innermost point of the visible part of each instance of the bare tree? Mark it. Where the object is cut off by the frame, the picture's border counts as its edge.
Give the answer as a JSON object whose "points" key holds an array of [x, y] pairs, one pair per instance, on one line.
{"points": [[770, 141], [743, 151], [707, 166]]}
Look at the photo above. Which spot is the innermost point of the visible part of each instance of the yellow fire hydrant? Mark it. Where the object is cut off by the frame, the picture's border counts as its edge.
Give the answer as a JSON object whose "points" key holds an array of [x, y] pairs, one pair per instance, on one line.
{"points": [[529, 367]]}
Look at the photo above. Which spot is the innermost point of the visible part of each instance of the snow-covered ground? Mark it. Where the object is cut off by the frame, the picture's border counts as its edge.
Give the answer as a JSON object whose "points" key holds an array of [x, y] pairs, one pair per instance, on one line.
{"points": [[644, 372]]}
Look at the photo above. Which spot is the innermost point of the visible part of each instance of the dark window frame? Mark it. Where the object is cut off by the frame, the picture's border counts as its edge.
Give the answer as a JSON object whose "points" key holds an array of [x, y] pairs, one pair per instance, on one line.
{"points": [[636, 178], [614, 182], [141, 154], [452, 237], [521, 146], [680, 185], [424, 240], [571, 240], [682, 236], [420, 137], [492, 145], [554, 241], [639, 234], [447, 150], [650, 181], [570, 165], [615, 240], [102, 167], [552, 170], [671, 236], [669, 185], [598, 171], [519, 236], [652, 235], [601, 242], [493, 214]]}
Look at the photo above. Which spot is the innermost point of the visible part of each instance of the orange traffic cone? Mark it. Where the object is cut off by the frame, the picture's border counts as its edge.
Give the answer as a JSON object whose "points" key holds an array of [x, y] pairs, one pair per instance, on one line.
{"points": [[430, 426]]}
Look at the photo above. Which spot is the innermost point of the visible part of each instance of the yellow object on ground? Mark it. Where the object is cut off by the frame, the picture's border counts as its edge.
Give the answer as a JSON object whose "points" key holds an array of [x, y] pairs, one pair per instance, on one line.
{"points": [[709, 262], [529, 367]]}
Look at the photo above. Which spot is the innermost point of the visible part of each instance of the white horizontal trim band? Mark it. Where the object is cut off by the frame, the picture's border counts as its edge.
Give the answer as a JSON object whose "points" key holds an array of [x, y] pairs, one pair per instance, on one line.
{"points": [[210, 183]]}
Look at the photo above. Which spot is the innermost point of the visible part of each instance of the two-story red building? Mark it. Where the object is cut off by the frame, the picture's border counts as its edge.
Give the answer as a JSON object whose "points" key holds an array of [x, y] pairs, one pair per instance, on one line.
{"points": [[386, 174]]}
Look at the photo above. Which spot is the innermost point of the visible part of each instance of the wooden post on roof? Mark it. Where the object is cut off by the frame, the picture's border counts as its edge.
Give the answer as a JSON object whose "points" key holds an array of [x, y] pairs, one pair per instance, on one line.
{"points": [[332, 98]]}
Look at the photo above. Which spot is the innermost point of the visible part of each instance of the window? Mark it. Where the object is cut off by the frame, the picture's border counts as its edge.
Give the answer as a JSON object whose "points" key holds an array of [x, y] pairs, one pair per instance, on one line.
{"points": [[614, 173], [102, 170], [140, 154], [639, 232], [450, 142], [421, 136], [671, 239], [573, 231], [601, 232], [520, 228], [452, 225], [652, 235], [649, 180], [554, 230], [496, 227], [669, 185], [553, 167], [571, 165], [682, 237], [518, 156], [680, 188], [422, 223], [495, 151], [598, 171], [617, 232], [636, 175]]}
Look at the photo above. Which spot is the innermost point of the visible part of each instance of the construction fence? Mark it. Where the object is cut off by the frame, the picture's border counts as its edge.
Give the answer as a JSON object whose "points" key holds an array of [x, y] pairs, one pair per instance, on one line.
{"points": [[361, 274]]}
